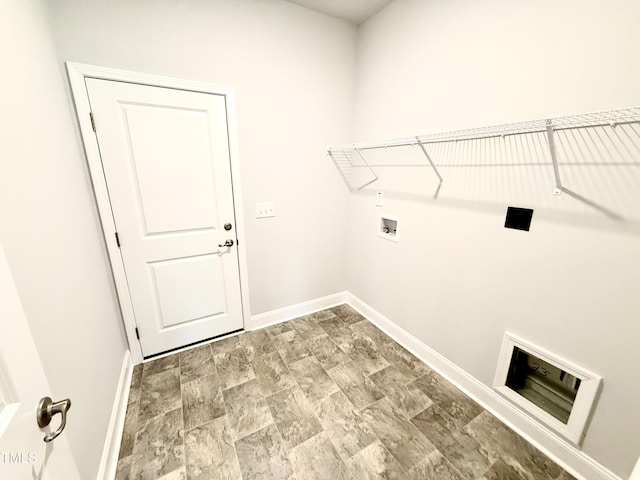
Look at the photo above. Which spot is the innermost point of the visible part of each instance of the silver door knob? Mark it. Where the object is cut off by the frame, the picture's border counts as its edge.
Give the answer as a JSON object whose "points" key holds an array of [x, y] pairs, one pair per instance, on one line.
{"points": [[46, 410], [227, 243]]}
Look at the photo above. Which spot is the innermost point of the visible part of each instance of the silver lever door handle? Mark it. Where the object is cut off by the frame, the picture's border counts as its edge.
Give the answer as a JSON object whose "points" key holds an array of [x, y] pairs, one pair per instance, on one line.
{"points": [[227, 243], [46, 410]]}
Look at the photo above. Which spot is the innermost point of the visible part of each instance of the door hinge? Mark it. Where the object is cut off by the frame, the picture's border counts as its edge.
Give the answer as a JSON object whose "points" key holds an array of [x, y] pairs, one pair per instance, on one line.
{"points": [[118, 239], [93, 121], [137, 334]]}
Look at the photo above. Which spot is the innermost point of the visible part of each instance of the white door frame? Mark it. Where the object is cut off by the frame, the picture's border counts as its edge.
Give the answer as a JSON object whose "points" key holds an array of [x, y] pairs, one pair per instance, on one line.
{"points": [[77, 73]]}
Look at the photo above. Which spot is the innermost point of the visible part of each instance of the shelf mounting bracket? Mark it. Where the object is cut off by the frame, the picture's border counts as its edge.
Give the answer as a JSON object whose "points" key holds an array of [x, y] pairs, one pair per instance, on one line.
{"points": [[554, 157], [357, 150], [560, 189], [433, 165]]}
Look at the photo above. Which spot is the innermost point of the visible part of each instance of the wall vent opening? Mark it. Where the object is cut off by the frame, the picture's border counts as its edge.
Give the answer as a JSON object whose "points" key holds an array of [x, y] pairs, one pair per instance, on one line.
{"points": [[555, 392]]}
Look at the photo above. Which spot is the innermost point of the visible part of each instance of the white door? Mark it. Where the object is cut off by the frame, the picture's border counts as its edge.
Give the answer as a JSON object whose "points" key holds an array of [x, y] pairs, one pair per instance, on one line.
{"points": [[165, 156], [23, 453]]}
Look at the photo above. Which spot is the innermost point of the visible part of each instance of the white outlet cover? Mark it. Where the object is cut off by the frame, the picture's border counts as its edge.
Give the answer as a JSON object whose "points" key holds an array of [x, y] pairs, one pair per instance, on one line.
{"points": [[265, 209]]}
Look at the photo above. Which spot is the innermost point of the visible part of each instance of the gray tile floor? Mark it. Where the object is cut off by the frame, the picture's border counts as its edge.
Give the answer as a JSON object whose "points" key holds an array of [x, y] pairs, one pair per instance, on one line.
{"points": [[327, 396]]}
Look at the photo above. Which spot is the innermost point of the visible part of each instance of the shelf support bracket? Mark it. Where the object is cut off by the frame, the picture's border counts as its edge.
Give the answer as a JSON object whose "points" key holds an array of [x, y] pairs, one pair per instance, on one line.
{"points": [[554, 157], [559, 188], [433, 165], [357, 150]]}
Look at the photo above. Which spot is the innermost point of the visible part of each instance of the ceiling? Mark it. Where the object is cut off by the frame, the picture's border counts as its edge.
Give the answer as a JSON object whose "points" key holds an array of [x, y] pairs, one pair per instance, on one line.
{"points": [[355, 11]]}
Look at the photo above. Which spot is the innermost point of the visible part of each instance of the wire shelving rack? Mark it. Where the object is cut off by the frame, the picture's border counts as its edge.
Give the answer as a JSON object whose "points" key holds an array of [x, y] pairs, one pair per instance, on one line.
{"points": [[609, 137]]}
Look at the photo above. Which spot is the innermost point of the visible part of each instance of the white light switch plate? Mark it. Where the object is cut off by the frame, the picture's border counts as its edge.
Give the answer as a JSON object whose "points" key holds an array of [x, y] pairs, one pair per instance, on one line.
{"points": [[265, 209], [379, 199]]}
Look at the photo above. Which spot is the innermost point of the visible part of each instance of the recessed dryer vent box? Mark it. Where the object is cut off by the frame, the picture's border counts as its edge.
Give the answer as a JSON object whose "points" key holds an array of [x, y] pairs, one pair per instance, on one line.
{"points": [[558, 394], [388, 227]]}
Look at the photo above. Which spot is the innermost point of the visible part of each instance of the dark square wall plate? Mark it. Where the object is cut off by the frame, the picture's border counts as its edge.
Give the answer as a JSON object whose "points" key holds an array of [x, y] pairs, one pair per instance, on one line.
{"points": [[518, 218]]}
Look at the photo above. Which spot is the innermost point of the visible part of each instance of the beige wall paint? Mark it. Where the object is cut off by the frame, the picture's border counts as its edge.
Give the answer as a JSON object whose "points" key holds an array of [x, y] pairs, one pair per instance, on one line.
{"points": [[457, 280], [292, 69], [51, 234]]}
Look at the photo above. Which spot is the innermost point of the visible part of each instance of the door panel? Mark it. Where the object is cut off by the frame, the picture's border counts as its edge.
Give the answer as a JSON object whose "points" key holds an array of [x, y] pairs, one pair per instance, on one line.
{"points": [[165, 156], [180, 281], [175, 195]]}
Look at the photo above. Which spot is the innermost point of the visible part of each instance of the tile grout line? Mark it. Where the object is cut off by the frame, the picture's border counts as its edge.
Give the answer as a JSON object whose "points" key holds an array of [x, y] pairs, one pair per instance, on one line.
{"points": [[347, 398], [313, 404], [392, 365], [184, 421], [225, 416], [135, 420], [358, 411], [264, 398]]}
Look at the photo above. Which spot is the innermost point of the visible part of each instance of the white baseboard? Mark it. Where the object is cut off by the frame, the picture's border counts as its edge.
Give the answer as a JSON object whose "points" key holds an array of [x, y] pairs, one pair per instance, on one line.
{"points": [[109, 460], [279, 315], [563, 453]]}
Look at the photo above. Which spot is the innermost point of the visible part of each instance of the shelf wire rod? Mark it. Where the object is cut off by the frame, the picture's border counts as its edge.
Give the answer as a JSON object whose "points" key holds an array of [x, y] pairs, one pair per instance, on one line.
{"points": [[576, 195], [605, 147], [435, 169], [519, 147], [357, 150], [554, 157], [612, 152], [542, 148], [616, 131], [627, 142], [504, 164], [609, 134], [526, 180], [610, 141], [539, 154], [609, 119], [633, 142], [342, 174], [428, 140], [565, 148], [611, 124], [579, 144], [501, 146]]}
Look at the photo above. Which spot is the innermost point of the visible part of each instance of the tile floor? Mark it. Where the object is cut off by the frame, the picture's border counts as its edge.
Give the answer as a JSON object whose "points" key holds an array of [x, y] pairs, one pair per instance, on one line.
{"points": [[327, 396]]}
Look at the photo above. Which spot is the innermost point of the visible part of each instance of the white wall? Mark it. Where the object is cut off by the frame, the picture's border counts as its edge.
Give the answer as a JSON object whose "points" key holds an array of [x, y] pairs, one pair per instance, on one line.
{"points": [[51, 233], [292, 69], [457, 280]]}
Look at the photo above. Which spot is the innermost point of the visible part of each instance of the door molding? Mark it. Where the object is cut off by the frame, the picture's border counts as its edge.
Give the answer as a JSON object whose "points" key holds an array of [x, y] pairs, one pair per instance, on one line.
{"points": [[77, 73]]}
